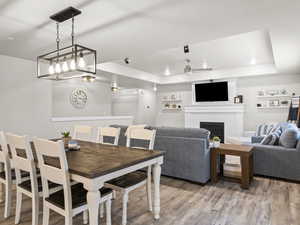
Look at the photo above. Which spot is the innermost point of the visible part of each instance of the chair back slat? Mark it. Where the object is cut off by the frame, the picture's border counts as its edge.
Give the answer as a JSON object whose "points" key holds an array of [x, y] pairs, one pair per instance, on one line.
{"points": [[83, 133], [23, 162], [60, 174], [108, 132], [4, 155], [141, 134]]}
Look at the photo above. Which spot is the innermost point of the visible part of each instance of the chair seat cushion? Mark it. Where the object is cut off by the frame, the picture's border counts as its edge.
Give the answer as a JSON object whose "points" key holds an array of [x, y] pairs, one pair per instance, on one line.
{"points": [[128, 180], [27, 185], [13, 174], [78, 194]]}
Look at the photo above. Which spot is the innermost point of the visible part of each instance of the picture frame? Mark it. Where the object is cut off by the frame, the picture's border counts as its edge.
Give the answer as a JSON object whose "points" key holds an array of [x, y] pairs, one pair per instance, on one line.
{"points": [[261, 93], [274, 103]]}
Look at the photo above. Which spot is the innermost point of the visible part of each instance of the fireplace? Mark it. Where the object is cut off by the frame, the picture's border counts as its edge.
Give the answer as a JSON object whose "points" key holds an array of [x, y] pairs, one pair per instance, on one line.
{"points": [[215, 128]]}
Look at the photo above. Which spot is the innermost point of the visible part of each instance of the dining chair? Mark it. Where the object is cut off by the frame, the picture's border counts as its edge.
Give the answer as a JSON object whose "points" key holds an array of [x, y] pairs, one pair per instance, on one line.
{"points": [[72, 199], [83, 133], [109, 132], [23, 161], [5, 175], [134, 180]]}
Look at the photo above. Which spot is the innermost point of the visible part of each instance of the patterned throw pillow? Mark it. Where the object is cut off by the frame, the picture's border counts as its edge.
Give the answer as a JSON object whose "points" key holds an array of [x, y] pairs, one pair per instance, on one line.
{"points": [[262, 130], [258, 130], [267, 139], [271, 139]]}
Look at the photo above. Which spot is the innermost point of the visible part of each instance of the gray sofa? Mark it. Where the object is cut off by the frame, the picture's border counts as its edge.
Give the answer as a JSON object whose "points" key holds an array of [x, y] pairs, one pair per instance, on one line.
{"points": [[187, 151], [275, 160]]}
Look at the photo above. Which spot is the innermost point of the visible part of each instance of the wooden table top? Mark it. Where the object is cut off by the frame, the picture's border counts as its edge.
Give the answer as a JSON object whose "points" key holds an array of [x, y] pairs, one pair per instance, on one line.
{"points": [[94, 160], [234, 149]]}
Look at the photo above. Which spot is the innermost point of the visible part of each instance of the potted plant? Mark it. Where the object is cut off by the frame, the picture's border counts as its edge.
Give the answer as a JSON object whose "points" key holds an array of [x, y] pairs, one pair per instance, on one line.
{"points": [[66, 138], [216, 141]]}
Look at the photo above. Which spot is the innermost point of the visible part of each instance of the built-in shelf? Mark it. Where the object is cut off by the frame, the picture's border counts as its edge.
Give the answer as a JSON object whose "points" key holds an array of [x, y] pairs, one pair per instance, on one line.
{"points": [[170, 109], [274, 96], [175, 100], [273, 107]]}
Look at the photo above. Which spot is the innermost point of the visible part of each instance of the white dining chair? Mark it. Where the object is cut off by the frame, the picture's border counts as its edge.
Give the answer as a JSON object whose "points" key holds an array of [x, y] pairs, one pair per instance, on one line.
{"points": [[134, 180], [82, 133], [5, 175], [72, 199], [108, 132], [23, 161]]}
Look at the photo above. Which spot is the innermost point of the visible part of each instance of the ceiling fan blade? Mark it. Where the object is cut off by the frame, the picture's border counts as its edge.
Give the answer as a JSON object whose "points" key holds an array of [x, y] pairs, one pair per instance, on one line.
{"points": [[201, 69]]}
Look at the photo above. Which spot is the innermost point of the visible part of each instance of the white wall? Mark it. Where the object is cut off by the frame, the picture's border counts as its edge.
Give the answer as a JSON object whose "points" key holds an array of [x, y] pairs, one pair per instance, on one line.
{"points": [[25, 101], [98, 94], [248, 87], [139, 103]]}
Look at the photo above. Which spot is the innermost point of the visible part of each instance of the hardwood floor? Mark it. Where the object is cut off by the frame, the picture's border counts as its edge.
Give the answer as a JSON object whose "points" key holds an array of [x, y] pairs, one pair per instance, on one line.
{"points": [[267, 202]]}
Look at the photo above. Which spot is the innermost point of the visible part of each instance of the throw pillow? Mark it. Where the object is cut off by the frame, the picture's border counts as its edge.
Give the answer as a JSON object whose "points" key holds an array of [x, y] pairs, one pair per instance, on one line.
{"points": [[289, 138], [270, 128], [267, 140], [275, 137], [258, 130]]}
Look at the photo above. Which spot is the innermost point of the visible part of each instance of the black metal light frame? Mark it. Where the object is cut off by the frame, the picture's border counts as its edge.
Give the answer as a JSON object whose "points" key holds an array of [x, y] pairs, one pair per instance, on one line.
{"points": [[72, 52]]}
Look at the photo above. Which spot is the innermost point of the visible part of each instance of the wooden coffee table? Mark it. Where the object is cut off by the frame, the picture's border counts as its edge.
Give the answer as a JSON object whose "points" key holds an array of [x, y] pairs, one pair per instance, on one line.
{"points": [[243, 151]]}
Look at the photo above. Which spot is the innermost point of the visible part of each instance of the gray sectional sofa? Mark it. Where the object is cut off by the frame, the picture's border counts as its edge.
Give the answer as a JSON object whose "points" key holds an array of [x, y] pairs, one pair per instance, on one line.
{"points": [[187, 151], [275, 160]]}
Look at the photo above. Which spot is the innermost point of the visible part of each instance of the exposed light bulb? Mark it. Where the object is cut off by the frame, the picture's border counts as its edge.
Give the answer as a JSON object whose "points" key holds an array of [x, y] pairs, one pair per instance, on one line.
{"points": [[154, 87], [72, 65], [57, 68], [81, 62], [253, 61], [51, 69], [204, 65], [65, 66], [167, 71]]}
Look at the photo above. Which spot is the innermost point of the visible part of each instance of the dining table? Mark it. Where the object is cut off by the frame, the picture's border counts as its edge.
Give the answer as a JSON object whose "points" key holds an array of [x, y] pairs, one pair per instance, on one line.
{"points": [[94, 164]]}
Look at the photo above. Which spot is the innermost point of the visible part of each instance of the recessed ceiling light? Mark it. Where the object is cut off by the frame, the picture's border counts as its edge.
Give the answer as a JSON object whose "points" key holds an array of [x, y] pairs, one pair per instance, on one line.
{"points": [[167, 71], [11, 38], [253, 61], [204, 65]]}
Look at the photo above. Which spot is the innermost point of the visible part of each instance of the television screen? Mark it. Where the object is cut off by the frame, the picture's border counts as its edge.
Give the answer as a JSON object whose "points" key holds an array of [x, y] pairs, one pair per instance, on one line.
{"points": [[211, 92]]}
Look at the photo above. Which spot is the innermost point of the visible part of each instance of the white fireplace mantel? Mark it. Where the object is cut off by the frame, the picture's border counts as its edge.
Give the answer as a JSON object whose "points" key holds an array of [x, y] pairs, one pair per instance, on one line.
{"points": [[231, 108], [232, 115]]}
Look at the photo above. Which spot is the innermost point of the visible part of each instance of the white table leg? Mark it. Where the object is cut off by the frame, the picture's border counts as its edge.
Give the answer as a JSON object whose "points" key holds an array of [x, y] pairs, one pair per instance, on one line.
{"points": [[93, 201], [156, 178]]}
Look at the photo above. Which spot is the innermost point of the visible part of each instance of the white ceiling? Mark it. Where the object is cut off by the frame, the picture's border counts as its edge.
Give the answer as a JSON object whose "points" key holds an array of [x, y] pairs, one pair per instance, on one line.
{"points": [[224, 53], [138, 28]]}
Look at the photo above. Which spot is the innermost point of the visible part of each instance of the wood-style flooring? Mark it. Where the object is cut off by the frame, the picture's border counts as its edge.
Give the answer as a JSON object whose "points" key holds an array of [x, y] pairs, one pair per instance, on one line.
{"points": [[267, 202]]}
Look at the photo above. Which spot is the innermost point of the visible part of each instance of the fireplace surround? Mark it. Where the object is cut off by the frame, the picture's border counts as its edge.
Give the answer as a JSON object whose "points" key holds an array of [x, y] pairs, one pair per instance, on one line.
{"points": [[232, 115]]}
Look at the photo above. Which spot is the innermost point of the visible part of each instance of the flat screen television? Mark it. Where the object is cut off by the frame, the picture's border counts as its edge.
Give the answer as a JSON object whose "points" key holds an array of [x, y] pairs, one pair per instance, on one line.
{"points": [[211, 92]]}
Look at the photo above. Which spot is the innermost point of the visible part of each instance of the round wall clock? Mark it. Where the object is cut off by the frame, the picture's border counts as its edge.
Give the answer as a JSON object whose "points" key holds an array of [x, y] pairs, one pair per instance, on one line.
{"points": [[78, 98]]}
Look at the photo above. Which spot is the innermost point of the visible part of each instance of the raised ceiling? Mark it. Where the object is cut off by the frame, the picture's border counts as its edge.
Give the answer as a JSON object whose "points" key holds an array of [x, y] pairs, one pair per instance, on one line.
{"points": [[138, 28], [253, 48]]}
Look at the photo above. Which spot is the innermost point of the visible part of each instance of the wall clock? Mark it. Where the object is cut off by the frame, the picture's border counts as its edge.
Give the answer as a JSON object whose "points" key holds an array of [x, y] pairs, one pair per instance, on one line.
{"points": [[78, 98]]}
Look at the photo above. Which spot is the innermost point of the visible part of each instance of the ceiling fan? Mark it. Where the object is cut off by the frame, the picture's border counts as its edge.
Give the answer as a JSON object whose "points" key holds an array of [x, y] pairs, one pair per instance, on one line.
{"points": [[188, 69]]}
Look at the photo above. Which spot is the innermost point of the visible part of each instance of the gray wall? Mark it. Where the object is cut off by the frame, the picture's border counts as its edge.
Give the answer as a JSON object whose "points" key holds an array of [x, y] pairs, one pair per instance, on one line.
{"points": [[98, 93], [248, 87]]}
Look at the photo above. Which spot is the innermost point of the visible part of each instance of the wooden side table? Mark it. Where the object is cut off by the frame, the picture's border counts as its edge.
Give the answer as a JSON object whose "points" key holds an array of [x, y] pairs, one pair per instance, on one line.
{"points": [[243, 151]]}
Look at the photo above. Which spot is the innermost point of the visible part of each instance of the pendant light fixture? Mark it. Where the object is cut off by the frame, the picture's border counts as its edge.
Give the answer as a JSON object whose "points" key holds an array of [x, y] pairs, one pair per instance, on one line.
{"points": [[67, 62]]}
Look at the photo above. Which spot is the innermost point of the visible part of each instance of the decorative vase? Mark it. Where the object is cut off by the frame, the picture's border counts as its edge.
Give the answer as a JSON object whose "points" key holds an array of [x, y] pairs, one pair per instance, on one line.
{"points": [[66, 141], [216, 144]]}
